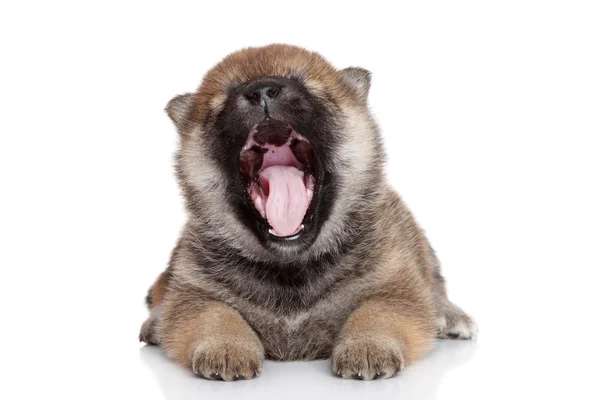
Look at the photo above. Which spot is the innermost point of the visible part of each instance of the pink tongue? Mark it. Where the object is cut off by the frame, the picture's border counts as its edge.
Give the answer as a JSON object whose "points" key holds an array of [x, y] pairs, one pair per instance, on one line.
{"points": [[287, 199]]}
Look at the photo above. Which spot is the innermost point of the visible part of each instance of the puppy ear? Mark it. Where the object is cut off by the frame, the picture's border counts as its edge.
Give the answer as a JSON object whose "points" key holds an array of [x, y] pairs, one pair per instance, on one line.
{"points": [[178, 109], [359, 79]]}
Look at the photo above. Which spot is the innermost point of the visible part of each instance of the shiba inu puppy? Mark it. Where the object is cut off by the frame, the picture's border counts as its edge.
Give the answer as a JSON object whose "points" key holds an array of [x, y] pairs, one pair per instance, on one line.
{"points": [[295, 247]]}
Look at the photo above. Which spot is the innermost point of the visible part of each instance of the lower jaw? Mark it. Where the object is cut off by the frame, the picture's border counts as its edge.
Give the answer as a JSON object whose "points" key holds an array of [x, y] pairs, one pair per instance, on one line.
{"points": [[293, 236]]}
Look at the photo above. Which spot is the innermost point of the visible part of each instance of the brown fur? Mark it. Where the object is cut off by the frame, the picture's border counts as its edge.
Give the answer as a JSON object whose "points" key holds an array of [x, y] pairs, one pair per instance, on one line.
{"points": [[269, 61], [159, 289], [368, 292], [377, 341], [210, 337]]}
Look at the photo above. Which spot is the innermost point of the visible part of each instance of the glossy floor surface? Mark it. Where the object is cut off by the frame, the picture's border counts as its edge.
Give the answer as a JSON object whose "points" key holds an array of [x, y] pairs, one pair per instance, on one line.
{"points": [[425, 380]]}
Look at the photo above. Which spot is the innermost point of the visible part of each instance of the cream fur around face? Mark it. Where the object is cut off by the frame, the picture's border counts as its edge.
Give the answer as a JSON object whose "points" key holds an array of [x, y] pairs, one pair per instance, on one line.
{"points": [[354, 157]]}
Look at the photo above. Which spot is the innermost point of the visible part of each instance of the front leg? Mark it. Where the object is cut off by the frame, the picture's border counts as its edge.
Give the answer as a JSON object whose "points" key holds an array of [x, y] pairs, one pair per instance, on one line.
{"points": [[210, 337], [380, 338]]}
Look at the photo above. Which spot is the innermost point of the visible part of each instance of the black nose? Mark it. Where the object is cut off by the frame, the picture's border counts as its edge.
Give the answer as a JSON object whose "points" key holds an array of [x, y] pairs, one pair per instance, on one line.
{"points": [[261, 93]]}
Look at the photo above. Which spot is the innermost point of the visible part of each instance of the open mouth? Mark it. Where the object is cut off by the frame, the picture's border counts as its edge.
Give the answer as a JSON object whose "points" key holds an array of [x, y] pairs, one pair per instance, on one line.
{"points": [[278, 166]]}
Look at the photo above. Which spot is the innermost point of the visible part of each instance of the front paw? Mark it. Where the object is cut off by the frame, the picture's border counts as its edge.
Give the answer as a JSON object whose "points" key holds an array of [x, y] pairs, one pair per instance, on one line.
{"points": [[368, 358], [227, 360]]}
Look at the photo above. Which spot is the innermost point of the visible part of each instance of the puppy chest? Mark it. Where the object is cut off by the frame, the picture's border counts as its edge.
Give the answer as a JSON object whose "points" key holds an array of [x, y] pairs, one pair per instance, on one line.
{"points": [[301, 337]]}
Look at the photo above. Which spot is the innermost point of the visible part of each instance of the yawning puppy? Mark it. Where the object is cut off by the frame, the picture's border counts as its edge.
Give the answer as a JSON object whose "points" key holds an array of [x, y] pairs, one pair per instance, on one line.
{"points": [[295, 247]]}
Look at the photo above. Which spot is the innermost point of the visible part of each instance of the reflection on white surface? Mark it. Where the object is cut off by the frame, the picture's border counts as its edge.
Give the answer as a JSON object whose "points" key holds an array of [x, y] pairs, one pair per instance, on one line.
{"points": [[419, 381]]}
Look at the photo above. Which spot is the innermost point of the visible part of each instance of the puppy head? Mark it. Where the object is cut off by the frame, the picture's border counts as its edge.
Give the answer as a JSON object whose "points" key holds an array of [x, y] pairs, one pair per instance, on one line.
{"points": [[279, 154]]}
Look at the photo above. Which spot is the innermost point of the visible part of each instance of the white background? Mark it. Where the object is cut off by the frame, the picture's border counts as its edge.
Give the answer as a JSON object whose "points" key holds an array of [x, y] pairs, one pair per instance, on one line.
{"points": [[491, 118]]}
